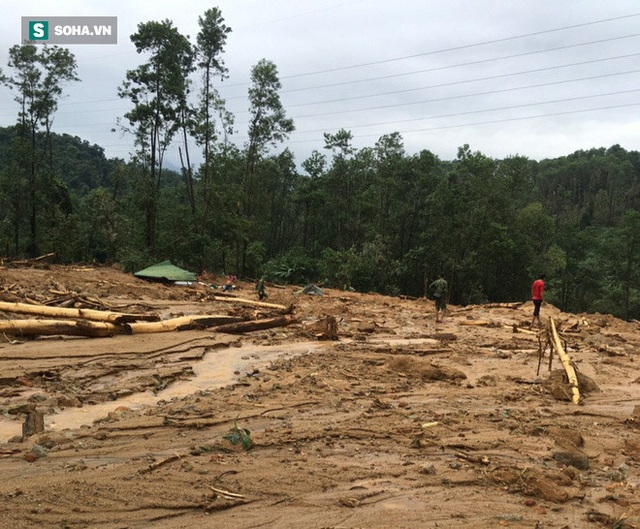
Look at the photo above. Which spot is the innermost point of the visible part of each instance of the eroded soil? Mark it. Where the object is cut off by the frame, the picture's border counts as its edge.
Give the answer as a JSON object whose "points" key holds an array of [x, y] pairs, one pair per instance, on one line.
{"points": [[399, 423]]}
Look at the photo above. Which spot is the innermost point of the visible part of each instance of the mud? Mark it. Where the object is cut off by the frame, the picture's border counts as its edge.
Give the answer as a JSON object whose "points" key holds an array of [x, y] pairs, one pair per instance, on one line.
{"points": [[398, 423]]}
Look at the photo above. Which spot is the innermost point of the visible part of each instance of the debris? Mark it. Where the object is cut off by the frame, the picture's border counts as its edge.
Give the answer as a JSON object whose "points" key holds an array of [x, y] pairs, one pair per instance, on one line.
{"points": [[256, 325], [227, 493], [157, 465], [324, 329]]}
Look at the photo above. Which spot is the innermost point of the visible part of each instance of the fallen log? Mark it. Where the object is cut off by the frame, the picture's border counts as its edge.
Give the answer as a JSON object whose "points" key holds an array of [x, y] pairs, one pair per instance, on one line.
{"points": [[27, 262], [254, 303], [85, 314], [505, 305], [91, 329], [183, 323], [566, 362], [256, 325]]}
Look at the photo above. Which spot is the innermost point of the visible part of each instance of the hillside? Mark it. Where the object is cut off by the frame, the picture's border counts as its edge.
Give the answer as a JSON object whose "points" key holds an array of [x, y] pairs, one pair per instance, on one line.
{"points": [[398, 422]]}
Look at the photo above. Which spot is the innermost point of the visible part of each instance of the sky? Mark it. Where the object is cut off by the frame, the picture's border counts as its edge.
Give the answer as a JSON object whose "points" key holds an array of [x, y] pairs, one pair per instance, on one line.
{"points": [[536, 78]]}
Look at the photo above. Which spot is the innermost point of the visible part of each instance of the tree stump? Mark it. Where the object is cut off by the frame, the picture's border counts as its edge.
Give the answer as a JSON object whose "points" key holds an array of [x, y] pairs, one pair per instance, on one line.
{"points": [[34, 423]]}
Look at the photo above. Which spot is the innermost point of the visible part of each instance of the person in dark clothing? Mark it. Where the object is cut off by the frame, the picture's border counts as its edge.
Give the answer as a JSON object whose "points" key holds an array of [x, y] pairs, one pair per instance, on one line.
{"points": [[260, 289], [438, 290]]}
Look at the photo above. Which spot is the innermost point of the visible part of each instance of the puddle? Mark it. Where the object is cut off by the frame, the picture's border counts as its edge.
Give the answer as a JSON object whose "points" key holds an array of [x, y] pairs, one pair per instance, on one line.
{"points": [[216, 370]]}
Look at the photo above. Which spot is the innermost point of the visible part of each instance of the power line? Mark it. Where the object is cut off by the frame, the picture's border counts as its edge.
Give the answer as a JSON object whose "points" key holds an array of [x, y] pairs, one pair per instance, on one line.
{"points": [[463, 96], [464, 47], [495, 109], [465, 81], [444, 50], [489, 122], [458, 65]]}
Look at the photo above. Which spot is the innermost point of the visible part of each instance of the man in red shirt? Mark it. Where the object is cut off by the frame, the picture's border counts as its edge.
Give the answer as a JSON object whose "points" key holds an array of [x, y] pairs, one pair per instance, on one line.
{"points": [[537, 294]]}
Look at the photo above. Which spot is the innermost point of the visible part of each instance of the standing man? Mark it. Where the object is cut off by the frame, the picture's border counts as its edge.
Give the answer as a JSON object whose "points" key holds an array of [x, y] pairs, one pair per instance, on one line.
{"points": [[537, 295], [438, 290], [260, 289]]}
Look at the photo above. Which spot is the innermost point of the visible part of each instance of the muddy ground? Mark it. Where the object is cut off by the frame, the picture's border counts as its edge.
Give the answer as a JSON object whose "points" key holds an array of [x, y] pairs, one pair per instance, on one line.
{"points": [[398, 423]]}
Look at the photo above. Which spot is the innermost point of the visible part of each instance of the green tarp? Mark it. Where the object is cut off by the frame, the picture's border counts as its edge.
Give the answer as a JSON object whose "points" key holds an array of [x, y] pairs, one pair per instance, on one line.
{"points": [[166, 271]]}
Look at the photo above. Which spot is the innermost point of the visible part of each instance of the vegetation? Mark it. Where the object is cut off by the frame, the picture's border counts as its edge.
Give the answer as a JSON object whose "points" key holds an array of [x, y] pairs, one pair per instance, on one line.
{"points": [[375, 218]]}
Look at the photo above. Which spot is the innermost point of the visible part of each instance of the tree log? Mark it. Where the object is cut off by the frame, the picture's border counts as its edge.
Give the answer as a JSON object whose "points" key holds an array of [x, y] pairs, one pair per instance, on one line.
{"points": [[184, 323], [222, 323], [52, 327], [85, 314], [254, 303], [256, 325], [566, 362], [33, 423]]}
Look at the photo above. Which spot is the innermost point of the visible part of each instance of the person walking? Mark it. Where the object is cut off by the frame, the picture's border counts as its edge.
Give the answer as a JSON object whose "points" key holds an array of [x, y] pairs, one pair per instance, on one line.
{"points": [[537, 295], [438, 290]]}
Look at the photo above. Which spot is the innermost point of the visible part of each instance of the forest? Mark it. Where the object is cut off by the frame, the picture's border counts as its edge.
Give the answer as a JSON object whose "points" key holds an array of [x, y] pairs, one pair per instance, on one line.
{"points": [[372, 219]]}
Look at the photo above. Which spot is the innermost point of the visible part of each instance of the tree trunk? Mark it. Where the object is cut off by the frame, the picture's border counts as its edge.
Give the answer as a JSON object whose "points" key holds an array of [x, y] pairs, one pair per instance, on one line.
{"points": [[86, 314], [54, 327], [183, 323], [566, 362], [256, 325]]}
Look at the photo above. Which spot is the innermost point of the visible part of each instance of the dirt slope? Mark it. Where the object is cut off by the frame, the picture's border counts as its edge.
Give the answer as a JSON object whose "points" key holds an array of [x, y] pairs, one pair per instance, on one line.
{"points": [[397, 423]]}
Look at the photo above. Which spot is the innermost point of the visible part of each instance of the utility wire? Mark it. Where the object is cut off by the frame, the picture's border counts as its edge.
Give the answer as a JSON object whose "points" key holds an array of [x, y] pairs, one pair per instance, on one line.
{"points": [[495, 109], [488, 122], [463, 96], [465, 81], [464, 47]]}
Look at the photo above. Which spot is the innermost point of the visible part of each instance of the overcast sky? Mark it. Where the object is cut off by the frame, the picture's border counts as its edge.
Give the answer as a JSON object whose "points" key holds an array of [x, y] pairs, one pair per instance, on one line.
{"points": [[538, 78]]}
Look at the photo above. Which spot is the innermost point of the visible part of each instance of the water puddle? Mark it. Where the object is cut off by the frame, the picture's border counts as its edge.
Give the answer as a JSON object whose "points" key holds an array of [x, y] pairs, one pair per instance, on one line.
{"points": [[217, 369]]}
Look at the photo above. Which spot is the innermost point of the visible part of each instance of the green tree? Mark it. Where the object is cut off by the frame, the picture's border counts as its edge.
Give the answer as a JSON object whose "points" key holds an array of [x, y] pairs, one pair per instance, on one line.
{"points": [[39, 74], [158, 90], [211, 40], [268, 126], [339, 188]]}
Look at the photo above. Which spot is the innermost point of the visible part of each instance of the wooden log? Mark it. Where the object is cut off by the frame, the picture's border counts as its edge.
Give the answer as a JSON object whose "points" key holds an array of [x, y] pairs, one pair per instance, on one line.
{"points": [[183, 323], [566, 362], [254, 303], [256, 325], [68, 327], [85, 314], [33, 423], [506, 305], [32, 261], [222, 323]]}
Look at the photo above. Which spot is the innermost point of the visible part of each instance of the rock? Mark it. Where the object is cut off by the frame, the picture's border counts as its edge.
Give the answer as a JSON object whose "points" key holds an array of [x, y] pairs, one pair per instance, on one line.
{"points": [[572, 459]]}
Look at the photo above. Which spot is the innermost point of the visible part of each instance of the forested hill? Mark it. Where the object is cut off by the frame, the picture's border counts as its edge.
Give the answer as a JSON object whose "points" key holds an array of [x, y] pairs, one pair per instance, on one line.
{"points": [[375, 218]]}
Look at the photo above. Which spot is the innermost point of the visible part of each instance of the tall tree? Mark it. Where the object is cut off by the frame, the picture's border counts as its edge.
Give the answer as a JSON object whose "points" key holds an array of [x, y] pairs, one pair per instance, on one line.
{"points": [[211, 40], [268, 124], [158, 90], [340, 187], [38, 79]]}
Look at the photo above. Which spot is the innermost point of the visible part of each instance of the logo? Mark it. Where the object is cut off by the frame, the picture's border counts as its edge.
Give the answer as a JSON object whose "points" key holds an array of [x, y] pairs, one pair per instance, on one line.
{"points": [[38, 30], [70, 30]]}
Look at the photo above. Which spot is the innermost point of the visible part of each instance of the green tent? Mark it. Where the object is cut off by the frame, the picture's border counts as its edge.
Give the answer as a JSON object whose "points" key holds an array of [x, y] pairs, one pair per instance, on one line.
{"points": [[165, 271]]}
